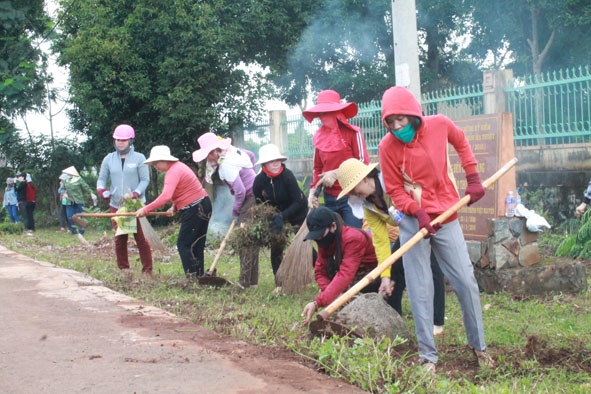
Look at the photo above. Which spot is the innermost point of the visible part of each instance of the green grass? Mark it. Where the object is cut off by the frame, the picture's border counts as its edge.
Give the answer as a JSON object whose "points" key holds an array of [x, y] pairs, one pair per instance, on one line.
{"points": [[541, 344]]}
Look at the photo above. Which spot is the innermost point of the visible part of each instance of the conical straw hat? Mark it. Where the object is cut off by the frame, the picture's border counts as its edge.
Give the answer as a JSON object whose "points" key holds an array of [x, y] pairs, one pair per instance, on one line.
{"points": [[350, 173], [71, 171]]}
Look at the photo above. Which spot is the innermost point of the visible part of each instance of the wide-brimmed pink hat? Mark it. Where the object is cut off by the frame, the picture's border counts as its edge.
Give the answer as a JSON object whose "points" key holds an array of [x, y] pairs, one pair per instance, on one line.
{"points": [[330, 101], [209, 142]]}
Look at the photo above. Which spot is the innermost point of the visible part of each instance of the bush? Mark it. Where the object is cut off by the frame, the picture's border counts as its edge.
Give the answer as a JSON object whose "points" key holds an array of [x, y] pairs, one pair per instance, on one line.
{"points": [[12, 228]]}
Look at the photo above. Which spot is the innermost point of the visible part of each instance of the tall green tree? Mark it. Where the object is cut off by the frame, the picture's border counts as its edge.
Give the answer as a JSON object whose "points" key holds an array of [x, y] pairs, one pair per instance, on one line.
{"points": [[173, 70], [23, 24], [536, 35], [347, 46]]}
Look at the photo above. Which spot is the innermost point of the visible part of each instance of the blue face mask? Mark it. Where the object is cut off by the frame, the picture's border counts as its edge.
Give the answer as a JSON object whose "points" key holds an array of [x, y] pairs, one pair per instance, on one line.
{"points": [[406, 134]]}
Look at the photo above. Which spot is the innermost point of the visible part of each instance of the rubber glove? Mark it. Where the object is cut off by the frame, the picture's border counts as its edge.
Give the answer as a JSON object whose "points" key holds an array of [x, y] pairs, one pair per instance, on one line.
{"points": [[277, 223], [474, 188], [105, 194], [425, 222]]}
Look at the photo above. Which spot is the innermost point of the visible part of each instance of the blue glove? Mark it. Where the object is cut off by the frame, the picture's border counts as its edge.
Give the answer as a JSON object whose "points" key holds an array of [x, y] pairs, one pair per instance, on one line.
{"points": [[277, 223]]}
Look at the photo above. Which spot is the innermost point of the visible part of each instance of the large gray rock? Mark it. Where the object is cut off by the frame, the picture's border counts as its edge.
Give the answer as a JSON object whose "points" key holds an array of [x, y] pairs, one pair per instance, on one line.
{"points": [[371, 316], [563, 276]]}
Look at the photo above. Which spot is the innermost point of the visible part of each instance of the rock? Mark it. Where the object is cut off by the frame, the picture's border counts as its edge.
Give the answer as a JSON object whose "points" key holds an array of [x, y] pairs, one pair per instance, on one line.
{"points": [[371, 316], [563, 276]]}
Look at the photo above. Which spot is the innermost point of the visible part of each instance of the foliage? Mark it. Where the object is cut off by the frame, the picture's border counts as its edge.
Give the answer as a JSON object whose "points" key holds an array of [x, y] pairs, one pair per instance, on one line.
{"points": [[255, 231], [22, 64], [11, 228], [173, 70], [44, 159], [578, 245], [346, 46]]}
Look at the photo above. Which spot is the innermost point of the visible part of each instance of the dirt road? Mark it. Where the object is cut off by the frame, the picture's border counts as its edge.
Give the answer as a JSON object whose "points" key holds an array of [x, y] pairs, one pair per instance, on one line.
{"points": [[63, 332]]}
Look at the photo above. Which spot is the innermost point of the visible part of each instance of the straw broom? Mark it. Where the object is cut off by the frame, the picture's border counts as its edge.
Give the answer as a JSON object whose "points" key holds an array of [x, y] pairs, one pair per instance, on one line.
{"points": [[296, 271]]}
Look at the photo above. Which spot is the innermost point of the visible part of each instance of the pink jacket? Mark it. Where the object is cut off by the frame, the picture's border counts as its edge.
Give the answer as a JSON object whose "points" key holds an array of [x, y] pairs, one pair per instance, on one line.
{"points": [[424, 160]]}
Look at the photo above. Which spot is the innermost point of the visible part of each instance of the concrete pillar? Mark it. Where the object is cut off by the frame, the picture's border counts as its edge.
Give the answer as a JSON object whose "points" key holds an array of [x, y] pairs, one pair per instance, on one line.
{"points": [[277, 131], [495, 82], [406, 46]]}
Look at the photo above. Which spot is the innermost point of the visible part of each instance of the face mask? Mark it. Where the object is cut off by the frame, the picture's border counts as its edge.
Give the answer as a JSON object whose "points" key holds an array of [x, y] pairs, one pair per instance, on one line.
{"points": [[406, 134], [328, 240]]}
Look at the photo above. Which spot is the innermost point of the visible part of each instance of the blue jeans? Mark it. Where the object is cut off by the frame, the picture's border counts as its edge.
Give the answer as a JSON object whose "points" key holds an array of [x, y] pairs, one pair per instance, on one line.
{"points": [[70, 211], [343, 208], [13, 213]]}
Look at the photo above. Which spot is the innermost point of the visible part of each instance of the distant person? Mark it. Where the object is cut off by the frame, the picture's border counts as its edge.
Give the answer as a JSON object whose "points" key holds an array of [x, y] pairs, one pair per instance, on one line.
{"points": [[75, 190], [586, 199], [124, 172], [61, 214], [334, 142], [190, 200], [10, 201], [345, 256], [366, 184], [277, 186], [21, 195], [235, 168], [414, 162], [31, 198]]}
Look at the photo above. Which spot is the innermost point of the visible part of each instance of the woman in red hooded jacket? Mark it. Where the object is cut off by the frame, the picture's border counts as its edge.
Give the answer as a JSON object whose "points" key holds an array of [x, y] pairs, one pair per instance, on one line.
{"points": [[417, 176]]}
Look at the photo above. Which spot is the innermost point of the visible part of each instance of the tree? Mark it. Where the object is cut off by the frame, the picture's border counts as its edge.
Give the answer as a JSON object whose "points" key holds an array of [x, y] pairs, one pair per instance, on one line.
{"points": [[173, 70], [347, 46], [538, 34], [22, 64]]}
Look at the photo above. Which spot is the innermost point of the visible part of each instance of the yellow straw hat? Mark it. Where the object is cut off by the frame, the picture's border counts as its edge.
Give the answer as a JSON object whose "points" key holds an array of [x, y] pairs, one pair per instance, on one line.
{"points": [[350, 173]]}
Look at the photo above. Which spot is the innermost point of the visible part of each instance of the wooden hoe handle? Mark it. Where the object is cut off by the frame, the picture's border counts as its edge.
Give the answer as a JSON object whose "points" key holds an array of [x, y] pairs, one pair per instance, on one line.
{"points": [[373, 275]]}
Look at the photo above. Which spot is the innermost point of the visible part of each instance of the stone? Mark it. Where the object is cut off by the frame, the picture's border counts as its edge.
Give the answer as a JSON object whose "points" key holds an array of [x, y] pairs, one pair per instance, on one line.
{"points": [[516, 227], [370, 315], [529, 255], [501, 258], [474, 251], [500, 230], [527, 237], [562, 276]]}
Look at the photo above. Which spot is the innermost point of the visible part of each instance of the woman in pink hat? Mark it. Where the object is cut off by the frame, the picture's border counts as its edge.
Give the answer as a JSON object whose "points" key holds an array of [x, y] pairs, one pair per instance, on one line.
{"points": [[235, 168], [334, 142]]}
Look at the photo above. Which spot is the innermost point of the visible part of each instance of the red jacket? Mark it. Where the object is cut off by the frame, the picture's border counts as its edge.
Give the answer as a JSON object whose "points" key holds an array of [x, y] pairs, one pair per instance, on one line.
{"points": [[31, 192], [357, 250], [327, 161], [424, 160]]}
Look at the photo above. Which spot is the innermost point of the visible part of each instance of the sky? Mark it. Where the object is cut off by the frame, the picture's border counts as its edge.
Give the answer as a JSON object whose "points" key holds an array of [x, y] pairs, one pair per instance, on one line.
{"points": [[39, 123]]}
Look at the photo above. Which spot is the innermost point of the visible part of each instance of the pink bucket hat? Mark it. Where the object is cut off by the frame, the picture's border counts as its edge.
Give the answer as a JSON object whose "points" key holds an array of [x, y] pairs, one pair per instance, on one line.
{"points": [[330, 101], [209, 142]]}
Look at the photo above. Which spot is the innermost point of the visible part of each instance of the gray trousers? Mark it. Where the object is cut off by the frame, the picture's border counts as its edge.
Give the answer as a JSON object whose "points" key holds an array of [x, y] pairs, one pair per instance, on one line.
{"points": [[450, 249]]}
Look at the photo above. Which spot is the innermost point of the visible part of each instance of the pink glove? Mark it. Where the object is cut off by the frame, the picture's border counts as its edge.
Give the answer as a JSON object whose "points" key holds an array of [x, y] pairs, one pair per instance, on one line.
{"points": [[135, 195], [474, 188], [425, 222]]}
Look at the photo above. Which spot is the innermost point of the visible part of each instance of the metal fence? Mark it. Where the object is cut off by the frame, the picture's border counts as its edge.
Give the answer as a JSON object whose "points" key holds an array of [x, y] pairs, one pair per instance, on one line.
{"points": [[554, 108]]}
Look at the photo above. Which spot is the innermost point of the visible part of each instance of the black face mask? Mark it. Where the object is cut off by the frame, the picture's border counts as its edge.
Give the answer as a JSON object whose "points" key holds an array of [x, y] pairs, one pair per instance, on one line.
{"points": [[326, 241]]}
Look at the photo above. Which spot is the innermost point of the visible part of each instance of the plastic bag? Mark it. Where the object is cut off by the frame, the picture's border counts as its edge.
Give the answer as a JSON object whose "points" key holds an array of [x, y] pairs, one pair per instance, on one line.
{"points": [[534, 223], [125, 224]]}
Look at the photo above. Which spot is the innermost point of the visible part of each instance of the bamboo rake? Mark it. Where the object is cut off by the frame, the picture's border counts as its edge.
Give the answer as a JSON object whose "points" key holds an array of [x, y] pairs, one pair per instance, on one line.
{"points": [[373, 275]]}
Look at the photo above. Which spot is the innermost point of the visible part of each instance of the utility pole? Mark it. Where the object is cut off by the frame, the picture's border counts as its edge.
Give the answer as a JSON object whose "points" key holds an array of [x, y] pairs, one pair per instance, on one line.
{"points": [[406, 47]]}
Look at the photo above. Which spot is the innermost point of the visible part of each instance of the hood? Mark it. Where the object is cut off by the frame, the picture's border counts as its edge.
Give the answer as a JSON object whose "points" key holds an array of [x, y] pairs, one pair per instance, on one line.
{"points": [[400, 101]]}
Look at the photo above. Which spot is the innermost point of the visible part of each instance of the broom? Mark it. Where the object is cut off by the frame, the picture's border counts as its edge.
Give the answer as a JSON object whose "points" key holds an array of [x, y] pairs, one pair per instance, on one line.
{"points": [[296, 270]]}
